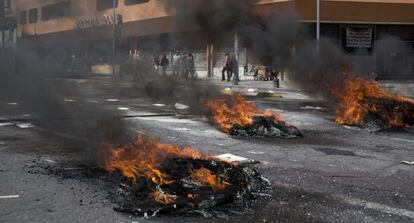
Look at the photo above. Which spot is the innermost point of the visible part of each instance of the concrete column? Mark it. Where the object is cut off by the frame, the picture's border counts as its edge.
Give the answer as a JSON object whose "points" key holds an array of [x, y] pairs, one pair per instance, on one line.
{"points": [[212, 59], [210, 53], [246, 62], [208, 60]]}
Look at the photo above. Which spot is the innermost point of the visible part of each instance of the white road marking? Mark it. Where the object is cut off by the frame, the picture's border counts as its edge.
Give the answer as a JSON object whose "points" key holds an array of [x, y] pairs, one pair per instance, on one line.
{"points": [[9, 196], [25, 125], [5, 124], [378, 207], [362, 203], [255, 152]]}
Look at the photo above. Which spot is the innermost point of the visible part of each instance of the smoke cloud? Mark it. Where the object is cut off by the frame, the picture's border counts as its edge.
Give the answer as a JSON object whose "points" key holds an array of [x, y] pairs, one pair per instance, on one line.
{"points": [[54, 105], [280, 41]]}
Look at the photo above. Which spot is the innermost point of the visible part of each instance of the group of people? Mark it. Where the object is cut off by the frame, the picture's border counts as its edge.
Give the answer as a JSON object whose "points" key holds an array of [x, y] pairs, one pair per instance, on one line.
{"points": [[182, 64], [231, 67]]}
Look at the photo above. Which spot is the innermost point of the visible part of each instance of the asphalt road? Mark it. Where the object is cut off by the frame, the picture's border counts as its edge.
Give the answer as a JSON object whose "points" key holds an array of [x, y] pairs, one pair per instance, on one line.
{"points": [[333, 174]]}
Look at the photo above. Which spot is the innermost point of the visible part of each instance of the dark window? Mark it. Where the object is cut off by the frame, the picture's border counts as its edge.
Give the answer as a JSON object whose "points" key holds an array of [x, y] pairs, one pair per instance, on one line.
{"points": [[5, 8], [55, 11], [23, 17], [33, 15], [134, 2], [7, 4], [106, 4]]}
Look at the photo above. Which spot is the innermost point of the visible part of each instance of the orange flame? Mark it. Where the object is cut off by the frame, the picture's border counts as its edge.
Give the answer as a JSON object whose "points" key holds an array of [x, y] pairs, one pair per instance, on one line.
{"points": [[357, 98], [240, 112], [206, 177], [163, 198], [144, 157]]}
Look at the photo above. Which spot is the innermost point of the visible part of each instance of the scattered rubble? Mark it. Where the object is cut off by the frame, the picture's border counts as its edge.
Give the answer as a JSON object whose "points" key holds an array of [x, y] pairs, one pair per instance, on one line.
{"points": [[407, 162], [179, 106]]}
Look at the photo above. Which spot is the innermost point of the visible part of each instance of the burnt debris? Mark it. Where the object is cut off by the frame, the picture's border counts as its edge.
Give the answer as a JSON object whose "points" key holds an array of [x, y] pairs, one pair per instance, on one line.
{"points": [[390, 114], [265, 126], [185, 194], [238, 117]]}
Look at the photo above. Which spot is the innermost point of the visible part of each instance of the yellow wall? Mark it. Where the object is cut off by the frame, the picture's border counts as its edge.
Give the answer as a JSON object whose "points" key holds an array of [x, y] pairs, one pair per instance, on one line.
{"points": [[82, 9], [152, 17], [359, 11]]}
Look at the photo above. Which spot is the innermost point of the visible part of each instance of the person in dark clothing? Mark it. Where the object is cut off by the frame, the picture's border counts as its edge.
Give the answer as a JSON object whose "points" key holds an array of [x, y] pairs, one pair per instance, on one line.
{"points": [[226, 67], [191, 65], [185, 64], [234, 68], [157, 62], [164, 64]]}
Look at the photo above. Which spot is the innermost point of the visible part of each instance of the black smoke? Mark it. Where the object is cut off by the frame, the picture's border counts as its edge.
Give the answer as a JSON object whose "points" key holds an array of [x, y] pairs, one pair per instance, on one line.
{"points": [[278, 40], [56, 106]]}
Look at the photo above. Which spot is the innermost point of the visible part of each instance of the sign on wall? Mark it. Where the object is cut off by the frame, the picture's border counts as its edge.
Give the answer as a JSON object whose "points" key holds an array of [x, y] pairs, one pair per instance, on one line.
{"points": [[95, 22], [358, 39]]}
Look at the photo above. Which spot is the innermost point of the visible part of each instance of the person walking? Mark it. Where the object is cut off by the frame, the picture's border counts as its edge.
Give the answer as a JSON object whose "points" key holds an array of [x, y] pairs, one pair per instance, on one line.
{"points": [[157, 62], [226, 67], [234, 69], [185, 63], [177, 62], [191, 65], [164, 64]]}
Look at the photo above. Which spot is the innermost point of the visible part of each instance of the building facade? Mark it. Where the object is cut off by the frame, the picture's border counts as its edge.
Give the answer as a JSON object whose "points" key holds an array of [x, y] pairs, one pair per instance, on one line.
{"points": [[8, 35], [7, 24], [378, 35]]}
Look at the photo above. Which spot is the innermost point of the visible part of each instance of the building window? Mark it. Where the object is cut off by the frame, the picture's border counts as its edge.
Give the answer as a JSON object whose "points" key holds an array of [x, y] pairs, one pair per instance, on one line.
{"points": [[1, 38], [7, 4], [135, 2], [8, 37], [106, 4], [5, 8], [23, 17], [55, 11], [33, 13]]}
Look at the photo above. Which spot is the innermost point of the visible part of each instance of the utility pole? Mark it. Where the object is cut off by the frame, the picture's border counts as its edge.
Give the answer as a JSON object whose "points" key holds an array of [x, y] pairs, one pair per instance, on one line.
{"points": [[114, 40], [236, 55], [318, 20], [318, 24]]}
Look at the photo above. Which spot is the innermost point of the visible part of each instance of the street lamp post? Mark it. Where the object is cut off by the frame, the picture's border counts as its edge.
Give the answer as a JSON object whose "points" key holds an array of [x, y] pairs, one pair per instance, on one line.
{"points": [[236, 55], [113, 40], [318, 20]]}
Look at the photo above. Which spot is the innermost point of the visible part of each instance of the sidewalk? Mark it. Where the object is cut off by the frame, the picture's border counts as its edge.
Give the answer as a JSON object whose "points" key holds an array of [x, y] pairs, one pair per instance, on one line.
{"points": [[405, 88], [248, 86]]}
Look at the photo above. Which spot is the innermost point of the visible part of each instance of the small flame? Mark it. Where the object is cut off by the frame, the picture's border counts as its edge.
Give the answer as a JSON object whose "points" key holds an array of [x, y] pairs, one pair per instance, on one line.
{"points": [[163, 198], [143, 157], [358, 97], [239, 112], [206, 177]]}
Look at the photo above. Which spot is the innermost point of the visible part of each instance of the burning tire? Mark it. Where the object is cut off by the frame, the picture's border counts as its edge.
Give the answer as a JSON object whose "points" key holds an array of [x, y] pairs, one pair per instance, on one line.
{"points": [[364, 103], [160, 178], [238, 117]]}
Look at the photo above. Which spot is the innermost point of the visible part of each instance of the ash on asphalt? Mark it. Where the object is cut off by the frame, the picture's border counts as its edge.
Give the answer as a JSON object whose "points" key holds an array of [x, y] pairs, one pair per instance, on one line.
{"points": [[374, 175], [247, 187]]}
